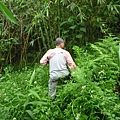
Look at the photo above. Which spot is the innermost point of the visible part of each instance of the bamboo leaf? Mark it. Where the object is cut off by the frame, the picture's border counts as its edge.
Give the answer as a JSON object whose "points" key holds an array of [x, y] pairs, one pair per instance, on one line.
{"points": [[115, 7], [32, 78], [7, 13]]}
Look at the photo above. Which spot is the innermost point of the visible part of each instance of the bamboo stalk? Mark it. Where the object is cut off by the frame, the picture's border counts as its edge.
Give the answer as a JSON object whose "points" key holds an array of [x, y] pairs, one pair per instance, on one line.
{"points": [[51, 35], [59, 17], [46, 31], [24, 49], [43, 39]]}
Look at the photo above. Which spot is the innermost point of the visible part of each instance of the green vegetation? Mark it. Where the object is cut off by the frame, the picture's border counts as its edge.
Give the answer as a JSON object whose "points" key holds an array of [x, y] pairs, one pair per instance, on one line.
{"points": [[92, 93], [91, 32], [79, 22]]}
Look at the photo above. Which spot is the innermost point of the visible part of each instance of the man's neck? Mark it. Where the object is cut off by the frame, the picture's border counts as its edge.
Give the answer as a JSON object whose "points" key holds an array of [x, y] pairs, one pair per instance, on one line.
{"points": [[58, 47]]}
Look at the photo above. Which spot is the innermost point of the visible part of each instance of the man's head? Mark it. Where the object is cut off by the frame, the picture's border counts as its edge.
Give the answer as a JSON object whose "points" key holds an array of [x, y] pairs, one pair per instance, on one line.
{"points": [[60, 42]]}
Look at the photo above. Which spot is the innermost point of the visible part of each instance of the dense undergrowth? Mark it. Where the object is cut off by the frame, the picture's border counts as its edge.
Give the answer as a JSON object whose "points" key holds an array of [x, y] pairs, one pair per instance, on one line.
{"points": [[91, 94]]}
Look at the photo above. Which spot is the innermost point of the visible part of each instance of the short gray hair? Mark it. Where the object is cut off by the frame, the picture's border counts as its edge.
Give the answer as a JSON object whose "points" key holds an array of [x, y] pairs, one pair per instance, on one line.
{"points": [[59, 41]]}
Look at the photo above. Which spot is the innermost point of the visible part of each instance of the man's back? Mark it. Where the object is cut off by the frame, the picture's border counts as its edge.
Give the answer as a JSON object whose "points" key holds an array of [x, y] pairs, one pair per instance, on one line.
{"points": [[58, 64]]}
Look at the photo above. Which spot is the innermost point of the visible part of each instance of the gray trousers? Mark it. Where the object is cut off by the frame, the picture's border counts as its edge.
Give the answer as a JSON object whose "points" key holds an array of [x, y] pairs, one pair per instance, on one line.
{"points": [[53, 83], [52, 88]]}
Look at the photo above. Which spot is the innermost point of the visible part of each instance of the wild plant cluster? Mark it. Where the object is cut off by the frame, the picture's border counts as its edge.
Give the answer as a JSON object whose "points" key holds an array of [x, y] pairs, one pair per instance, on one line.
{"points": [[92, 93], [40, 22]]}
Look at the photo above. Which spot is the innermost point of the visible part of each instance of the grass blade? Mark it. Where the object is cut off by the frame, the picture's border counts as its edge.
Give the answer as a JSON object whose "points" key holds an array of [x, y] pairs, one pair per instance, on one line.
{"points": [[32, 92], [30, 113], [32, 78], [119, 57]]}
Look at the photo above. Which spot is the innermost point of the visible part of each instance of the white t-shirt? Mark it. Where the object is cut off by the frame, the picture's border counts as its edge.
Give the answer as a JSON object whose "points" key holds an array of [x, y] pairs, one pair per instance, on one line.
{"points": [[58, 65]]}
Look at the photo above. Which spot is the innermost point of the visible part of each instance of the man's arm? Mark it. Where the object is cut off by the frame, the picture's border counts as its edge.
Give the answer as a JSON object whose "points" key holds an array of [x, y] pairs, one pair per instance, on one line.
{"points": [[70, 62], [44, 60]]}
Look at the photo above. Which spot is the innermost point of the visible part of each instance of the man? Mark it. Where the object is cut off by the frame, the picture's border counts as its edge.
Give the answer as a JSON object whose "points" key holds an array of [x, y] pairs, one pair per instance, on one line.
{"points": [[59, 60]]}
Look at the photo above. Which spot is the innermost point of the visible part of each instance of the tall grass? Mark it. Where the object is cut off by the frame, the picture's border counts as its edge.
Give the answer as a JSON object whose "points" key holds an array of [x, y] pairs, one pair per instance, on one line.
{"points": [[89, 95]]}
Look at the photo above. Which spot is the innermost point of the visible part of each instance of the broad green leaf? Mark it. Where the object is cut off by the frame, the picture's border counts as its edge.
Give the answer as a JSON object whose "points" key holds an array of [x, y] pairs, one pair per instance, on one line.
{"points": [[63, 23], [73, 27], [84, 117], [7, 13], [83, 29], [79, 36], [70, 19], [2, 59], [72, 6], [64, 32]]}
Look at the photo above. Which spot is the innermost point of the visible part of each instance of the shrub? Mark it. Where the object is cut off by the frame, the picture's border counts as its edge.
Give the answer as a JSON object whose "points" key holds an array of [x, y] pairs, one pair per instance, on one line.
{"points": [[88, 95]]}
